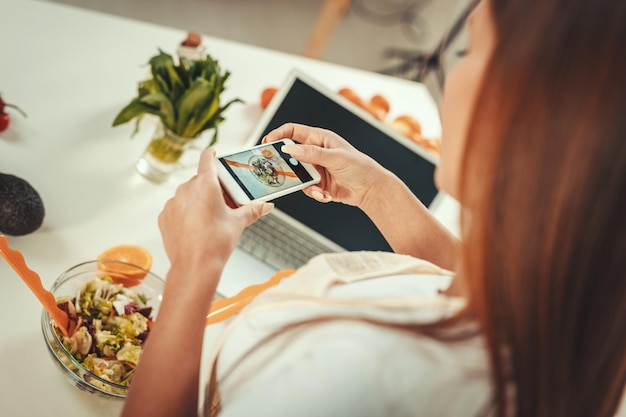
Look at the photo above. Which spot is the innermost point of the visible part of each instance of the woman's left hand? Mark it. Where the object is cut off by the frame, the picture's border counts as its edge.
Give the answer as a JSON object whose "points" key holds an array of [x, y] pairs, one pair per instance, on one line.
{"points": [[200, 230], [199, 225]]}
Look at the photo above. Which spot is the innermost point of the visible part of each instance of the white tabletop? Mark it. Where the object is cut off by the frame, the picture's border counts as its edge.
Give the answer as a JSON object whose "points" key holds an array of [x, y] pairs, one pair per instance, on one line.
{"points": [[72, 71]]}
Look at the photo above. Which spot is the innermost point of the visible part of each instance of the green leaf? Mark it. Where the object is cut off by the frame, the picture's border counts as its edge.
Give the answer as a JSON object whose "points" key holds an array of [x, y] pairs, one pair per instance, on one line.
{"points": [[201, 116], [158, 64], [164, 71], [137, 123], [217, 117], [193, 99], [134, 109], [162, 84], [147, 87], [165, 108], [176, 84], [194, 71], [182, 70]]}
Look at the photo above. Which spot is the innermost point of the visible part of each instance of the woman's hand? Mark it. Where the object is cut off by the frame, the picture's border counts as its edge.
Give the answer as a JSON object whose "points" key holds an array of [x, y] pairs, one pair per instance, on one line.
{"points": [[200, 230], [199, 225], [348, 175], [353, 178]]}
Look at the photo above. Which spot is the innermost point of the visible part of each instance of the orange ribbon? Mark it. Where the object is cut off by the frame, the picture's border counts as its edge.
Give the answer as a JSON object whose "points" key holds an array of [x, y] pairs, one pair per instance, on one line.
{"points": [[250, 167], [224, 308]]}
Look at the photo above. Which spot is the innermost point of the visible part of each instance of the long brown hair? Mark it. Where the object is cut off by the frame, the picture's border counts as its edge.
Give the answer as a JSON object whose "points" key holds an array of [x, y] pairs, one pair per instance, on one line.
{"points": [[545, 188]]}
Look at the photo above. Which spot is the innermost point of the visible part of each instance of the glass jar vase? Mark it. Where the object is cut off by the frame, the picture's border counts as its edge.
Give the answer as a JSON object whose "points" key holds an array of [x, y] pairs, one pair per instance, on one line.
{"points": [[163, 153]]}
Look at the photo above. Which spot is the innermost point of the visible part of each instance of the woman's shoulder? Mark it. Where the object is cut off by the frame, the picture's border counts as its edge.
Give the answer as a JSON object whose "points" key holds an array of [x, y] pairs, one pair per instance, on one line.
{"points": [[352, 352], [354, 368]]}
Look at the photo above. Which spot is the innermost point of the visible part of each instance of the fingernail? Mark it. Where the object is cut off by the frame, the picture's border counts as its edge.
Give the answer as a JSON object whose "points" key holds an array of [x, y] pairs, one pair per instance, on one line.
{"points": [[320, 196], [293, 150], [267, 207]]}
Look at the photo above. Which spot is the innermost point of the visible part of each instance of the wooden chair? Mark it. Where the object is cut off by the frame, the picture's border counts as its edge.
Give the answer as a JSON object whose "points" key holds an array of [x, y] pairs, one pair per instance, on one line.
{"points": [[328, 20]]}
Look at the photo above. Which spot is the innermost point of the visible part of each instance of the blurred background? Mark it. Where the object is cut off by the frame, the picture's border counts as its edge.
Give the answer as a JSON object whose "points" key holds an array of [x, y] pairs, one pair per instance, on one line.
{"points": [[395, 37]]}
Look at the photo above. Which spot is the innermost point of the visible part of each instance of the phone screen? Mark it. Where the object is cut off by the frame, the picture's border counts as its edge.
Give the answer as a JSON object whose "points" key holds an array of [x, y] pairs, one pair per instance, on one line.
{"points": [[265, 170]]}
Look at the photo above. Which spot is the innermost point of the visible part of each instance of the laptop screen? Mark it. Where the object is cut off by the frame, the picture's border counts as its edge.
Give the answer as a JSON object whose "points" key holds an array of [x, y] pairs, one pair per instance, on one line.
{"points": [[345, 225]]}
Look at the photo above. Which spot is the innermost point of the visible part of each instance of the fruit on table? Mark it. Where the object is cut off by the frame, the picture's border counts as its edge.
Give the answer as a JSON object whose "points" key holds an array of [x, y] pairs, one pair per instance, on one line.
{"points": [[381, 102], [379, 107], [132, 254], [352, 96], [266, 96], [407, 125], [5, 120], [193, 39], [21, 207]]}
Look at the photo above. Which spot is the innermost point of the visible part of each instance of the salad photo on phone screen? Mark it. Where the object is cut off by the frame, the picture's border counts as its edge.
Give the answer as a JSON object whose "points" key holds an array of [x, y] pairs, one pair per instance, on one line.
{"points": [[263, 171]]}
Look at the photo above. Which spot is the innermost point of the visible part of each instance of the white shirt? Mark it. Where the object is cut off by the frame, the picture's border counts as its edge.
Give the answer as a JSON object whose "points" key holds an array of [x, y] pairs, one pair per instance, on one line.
{"points": [[343, 367]]}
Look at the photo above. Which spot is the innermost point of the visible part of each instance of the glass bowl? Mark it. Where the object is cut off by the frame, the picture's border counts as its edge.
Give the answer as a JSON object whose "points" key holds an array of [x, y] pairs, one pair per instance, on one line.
{"points": [[68, 285]]}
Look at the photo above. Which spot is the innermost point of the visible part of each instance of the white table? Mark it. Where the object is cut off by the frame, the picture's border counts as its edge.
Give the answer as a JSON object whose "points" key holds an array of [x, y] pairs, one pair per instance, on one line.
{"points": [[72, 71]]}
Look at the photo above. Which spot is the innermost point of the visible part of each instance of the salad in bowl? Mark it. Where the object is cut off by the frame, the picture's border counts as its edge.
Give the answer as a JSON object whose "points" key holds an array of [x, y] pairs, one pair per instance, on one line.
{"points": [[108, 324]]}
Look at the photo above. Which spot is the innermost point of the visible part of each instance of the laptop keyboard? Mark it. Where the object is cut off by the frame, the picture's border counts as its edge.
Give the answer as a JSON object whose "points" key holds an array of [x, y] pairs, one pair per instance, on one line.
{"points": [[277, 244]]}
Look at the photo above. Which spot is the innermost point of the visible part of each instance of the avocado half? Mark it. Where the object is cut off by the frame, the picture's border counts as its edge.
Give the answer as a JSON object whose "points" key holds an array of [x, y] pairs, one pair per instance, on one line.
{"points": [[21, 208]]}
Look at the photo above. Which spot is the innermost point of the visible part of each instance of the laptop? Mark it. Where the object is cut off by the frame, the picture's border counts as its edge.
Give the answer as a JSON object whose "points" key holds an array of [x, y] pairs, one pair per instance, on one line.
{"points": [[299, 227]]}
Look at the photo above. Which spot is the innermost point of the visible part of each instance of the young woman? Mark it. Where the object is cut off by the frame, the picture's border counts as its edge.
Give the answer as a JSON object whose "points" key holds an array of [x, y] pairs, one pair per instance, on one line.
{"points": [[534, 148]]}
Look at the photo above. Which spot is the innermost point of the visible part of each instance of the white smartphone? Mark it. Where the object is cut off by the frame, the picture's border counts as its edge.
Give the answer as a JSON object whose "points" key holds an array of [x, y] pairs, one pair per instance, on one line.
{"points": [[263, 173]]}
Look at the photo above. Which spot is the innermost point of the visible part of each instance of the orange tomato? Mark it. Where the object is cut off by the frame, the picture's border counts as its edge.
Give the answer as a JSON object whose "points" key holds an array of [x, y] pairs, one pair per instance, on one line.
{"points": [[374, 109], [409, 122], [266, 96], [353, 97], [381, 102], [433, 146], [402, 128], [377, 111], [193, 39]]}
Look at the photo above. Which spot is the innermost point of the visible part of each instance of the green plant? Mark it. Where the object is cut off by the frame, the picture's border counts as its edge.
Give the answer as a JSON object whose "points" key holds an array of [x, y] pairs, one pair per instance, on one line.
{"points": [[184, 95]]}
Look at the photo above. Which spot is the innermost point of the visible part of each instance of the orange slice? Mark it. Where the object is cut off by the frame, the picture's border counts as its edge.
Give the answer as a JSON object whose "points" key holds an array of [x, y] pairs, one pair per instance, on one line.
{"points": [[131, 254]]}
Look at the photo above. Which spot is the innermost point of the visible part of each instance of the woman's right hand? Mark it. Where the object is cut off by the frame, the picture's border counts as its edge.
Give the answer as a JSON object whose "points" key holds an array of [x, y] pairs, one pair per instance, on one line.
{"points": [[348, 175], [351, 177]]}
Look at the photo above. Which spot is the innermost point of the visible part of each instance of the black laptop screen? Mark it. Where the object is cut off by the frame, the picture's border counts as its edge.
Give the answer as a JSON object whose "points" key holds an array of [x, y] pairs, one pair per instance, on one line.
{"points": [[346, 225]]}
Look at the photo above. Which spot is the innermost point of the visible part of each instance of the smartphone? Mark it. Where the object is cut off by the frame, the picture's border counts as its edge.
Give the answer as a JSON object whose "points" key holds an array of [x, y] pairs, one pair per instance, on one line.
{"points": [[263, 173]]}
